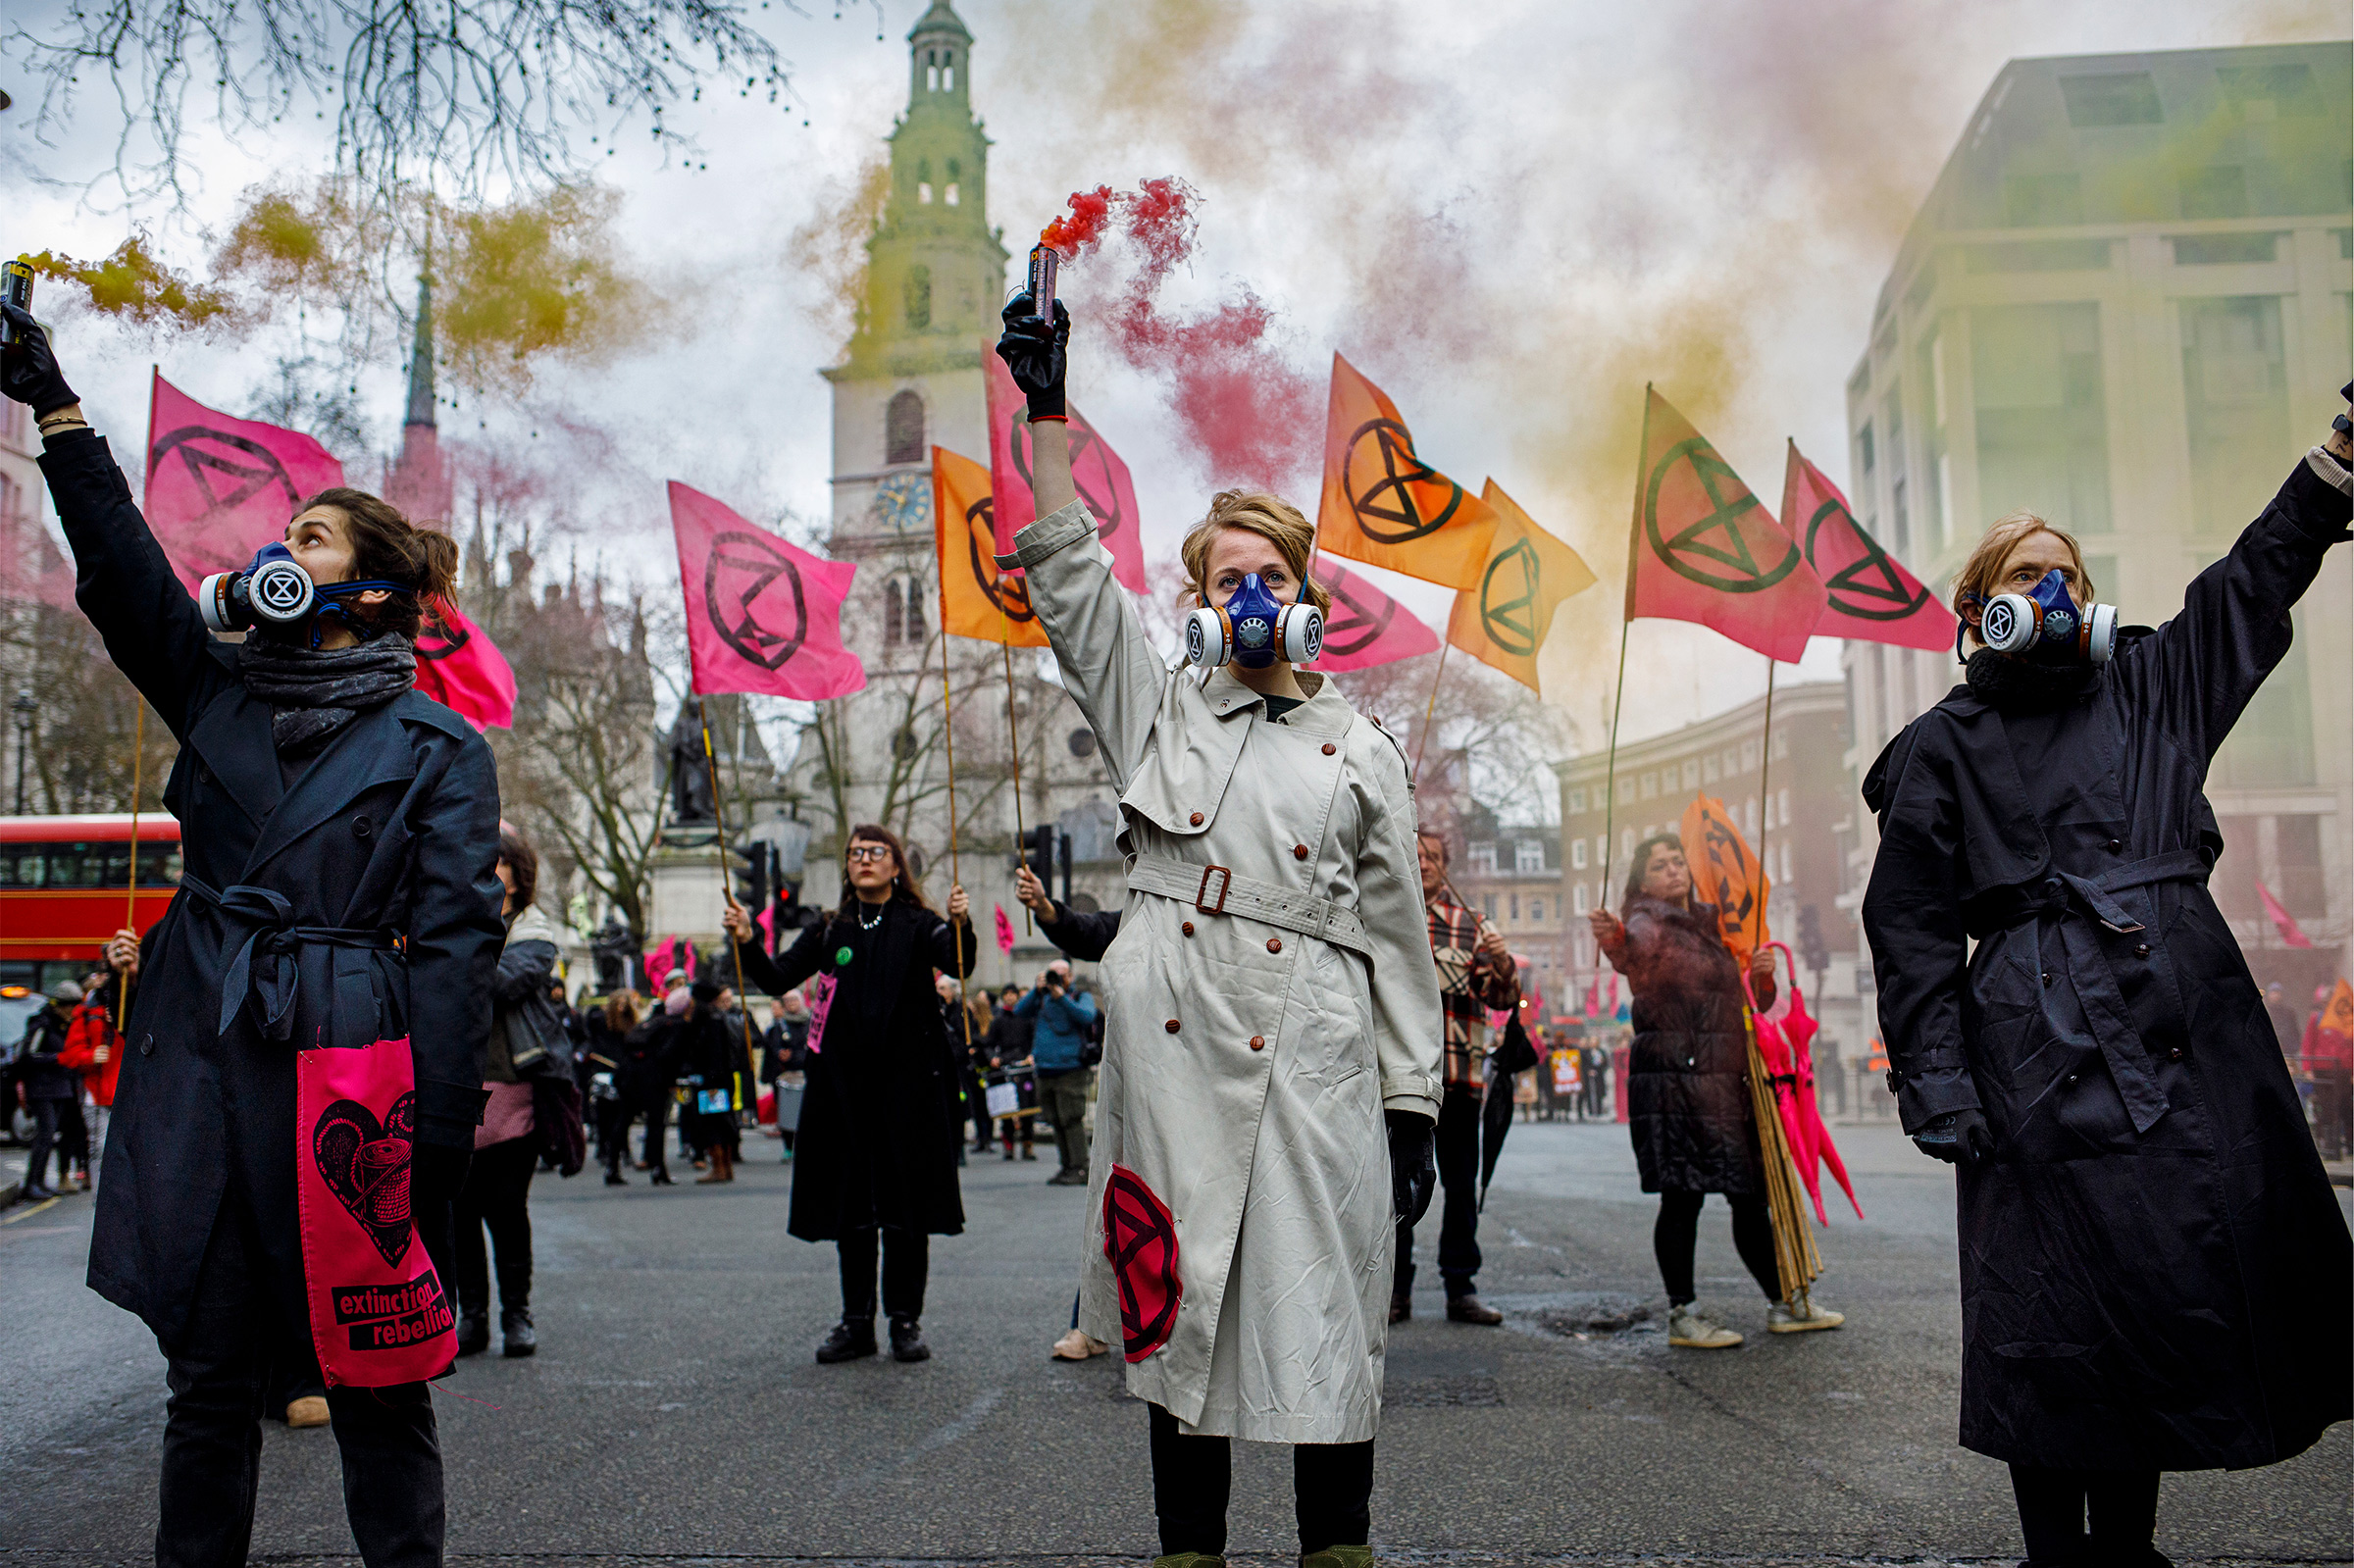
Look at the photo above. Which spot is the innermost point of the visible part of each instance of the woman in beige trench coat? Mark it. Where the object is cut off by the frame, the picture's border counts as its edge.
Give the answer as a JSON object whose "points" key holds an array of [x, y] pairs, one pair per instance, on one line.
{"points": [[1272, 1031]]}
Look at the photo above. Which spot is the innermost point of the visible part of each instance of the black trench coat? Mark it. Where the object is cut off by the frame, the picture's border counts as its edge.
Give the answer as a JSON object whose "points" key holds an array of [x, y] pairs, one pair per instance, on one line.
{"points": [[881, 1115], [1687, 1081], [392, 829], [2154, 1271]]}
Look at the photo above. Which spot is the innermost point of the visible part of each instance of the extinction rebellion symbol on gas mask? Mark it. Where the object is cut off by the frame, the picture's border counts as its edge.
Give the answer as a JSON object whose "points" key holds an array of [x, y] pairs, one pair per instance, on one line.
{"points": [[736, 579], [1714, 551], [1388, 486]]}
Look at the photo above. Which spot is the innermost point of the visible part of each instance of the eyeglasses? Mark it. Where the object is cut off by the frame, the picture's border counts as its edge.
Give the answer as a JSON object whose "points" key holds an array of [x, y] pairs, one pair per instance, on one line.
{"points": [[859, 852]]}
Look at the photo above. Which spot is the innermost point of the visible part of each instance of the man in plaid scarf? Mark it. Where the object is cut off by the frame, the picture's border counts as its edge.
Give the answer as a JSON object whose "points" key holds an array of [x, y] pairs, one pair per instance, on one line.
{"points": [[1477, 973]]}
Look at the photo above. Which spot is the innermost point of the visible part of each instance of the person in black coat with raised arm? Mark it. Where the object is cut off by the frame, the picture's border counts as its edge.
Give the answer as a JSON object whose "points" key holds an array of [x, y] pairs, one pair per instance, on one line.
{"points": [[877, 1144], [340, 832], [2155, 1275]]}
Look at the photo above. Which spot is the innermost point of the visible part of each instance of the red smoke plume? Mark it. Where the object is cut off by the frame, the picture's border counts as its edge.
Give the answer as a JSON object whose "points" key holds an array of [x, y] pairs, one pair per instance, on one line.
{"points": [[1252, 415]]}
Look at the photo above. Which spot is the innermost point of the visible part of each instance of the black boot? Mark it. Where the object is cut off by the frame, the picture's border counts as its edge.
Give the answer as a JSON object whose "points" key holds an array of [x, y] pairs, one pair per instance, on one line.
{"points": [[850, 1339], [908, 1341], [514, 1326], [474, 1333]]}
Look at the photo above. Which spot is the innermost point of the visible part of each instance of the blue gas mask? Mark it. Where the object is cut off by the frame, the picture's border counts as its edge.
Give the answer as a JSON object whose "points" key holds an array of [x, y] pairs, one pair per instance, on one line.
{"points": [[1253, 630], [2046, 626], [274, 593]]}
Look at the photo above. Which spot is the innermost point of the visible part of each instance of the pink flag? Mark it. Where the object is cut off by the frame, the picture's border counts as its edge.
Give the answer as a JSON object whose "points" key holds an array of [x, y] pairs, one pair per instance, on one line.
{"points": [[219, 488], [1102, 478], [761, 616], [1872, 598], [2290, 931], [1004, 930], [31, 566], [460, 666], [1366, 626]]}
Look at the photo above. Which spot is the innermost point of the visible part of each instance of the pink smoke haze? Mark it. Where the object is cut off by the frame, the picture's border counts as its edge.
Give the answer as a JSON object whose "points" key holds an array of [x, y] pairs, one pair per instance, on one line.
{"points": [[1251, 416]]}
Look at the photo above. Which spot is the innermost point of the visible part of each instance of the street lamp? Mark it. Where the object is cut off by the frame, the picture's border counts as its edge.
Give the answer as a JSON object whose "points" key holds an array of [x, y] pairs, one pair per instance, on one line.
{"points": [[24, 708]]}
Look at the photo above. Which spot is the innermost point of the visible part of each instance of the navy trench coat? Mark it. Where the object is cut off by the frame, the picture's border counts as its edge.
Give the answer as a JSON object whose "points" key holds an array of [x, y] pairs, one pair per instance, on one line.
{"points": [[392, 830], [881, 1115], [2155, 1273]]}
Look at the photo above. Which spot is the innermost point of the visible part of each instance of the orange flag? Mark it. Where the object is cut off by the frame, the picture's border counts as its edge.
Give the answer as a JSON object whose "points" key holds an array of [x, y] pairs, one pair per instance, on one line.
{"points": [[976, 600], [2339, 1014], [1726, 873], [1502, 619], [1382, 504], [1704, 549]]}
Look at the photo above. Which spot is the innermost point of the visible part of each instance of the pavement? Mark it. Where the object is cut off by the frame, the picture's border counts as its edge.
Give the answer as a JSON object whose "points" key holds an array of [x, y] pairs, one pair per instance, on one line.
{"points": [[674, 1416]]}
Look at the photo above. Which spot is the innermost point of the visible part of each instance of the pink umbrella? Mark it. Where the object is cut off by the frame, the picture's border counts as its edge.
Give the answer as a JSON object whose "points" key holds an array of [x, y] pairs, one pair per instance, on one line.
{"points": [[1785, 1038]]}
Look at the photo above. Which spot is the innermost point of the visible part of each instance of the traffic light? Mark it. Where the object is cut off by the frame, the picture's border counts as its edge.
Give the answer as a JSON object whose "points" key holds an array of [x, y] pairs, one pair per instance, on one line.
{"points": [[1043, 847], [1813, 950]]}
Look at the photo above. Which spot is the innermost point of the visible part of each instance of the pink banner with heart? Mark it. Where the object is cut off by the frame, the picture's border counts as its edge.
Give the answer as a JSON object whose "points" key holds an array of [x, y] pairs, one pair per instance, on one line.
{"points": [[761, 614], [217, 487], [1096, 469], [1365, 626]]}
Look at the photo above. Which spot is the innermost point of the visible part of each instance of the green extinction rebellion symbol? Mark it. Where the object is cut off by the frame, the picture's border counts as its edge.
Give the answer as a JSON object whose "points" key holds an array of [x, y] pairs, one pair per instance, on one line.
{"points": [[1507, 600], [1713, 552], [1866, 587], [1382, 492]]}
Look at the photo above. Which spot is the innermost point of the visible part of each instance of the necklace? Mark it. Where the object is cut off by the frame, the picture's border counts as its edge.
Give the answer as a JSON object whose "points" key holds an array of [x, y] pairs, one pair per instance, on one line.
{"points": [[881, 910]]}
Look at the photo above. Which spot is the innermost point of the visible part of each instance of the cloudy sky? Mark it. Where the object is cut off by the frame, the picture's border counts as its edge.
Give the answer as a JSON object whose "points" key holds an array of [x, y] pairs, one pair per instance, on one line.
{"points": [[1510, 216]]}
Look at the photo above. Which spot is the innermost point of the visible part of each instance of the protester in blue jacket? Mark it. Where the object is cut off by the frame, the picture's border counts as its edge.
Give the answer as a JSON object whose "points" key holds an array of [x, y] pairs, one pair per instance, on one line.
{"points": [[1062, 1018]]}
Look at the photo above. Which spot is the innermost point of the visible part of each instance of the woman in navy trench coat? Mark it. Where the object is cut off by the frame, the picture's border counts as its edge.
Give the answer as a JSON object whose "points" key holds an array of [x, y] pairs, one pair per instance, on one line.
{"points": [[301, 872], [2153, 1270]]}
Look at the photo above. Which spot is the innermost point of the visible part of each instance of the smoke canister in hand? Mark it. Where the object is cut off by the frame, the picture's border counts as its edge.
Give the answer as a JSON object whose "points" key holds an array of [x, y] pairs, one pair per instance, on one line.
{"points": [[1044, 259], [16, 288]]}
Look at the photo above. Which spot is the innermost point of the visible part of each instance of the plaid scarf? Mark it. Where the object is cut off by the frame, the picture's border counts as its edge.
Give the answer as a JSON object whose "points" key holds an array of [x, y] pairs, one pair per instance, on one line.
{"points": [[1468, 985]]}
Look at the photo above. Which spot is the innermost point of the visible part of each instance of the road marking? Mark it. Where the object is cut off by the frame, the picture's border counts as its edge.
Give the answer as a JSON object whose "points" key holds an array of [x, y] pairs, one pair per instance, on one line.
{"points": [[26, 1214]]}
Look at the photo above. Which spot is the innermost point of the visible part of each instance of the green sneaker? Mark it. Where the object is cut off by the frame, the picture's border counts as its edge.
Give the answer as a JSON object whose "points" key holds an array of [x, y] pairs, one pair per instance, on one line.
{"points": [[1338, 1557]]}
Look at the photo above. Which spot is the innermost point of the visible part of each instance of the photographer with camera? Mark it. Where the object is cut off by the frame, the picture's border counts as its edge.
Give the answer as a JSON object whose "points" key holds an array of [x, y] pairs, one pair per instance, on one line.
{"points": [[1058, 1048], [340, 832]]}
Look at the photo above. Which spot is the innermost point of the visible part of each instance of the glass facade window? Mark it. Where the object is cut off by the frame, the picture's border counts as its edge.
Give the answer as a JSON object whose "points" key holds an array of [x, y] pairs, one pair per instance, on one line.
{"points": [[1528, 856], [2043, 442], [2235, 405], [1483, 858]]}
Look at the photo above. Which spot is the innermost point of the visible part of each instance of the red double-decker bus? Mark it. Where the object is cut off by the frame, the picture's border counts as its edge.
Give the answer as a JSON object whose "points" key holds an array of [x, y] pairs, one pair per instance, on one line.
{"points": [[63, 886]]}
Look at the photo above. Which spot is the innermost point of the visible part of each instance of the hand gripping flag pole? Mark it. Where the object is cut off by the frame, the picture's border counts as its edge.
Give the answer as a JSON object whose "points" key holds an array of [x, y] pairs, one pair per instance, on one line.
{"points": [[719, 824]]}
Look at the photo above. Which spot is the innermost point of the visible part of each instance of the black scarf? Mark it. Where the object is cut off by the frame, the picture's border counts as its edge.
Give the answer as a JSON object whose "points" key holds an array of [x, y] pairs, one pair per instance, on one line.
{"points": [[2015, 685], [315, 692]]}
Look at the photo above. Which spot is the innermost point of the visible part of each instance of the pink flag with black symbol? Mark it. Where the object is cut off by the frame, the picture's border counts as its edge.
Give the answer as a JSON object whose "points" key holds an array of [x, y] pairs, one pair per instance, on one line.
{"points": [[1871, 595], [1365, 626], [461, 668], [219, 489], [1096, 470], [761, 614]]}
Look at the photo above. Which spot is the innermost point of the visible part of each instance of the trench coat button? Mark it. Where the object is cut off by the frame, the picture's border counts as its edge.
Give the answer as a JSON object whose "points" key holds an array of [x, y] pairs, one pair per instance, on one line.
{"points": [[2071, 1078], [360, 826], [1170, 1026], [1330, 748], [2174, 1055], [2047, 979], [147, 1046], [2116, 846], [1195, 819], [2141, 950], [1298, 851], [1259, 1043], [1187, 928], [1274, 945]]}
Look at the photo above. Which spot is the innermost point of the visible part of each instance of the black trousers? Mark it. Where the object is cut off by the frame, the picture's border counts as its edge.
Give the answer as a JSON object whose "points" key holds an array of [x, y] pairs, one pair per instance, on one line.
{"points": [[2053, 1505], [976, 1105], [1677, 1230], [48, 1116], [497, 1197], [1459, 1210], [656, 1112], [906, 1268], [1332, 1490], [219, 1373]]}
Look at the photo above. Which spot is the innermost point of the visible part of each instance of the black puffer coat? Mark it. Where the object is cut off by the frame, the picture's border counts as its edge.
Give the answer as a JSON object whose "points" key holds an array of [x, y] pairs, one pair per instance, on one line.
{"points": [[880, 1119], [1687, 1085], [2154, 1271]]}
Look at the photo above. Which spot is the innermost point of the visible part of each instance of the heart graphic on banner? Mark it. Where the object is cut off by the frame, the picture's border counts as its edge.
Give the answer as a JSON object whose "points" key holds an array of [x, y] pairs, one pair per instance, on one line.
{"points": [[365, 1163]]}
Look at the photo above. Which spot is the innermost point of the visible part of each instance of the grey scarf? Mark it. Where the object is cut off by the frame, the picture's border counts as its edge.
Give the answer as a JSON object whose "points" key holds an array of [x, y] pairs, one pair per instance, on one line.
{"points": [[316, 692]]}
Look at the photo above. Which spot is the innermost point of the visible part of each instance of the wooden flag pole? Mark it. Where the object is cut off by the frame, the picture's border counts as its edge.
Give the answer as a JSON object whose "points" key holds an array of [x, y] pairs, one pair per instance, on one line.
{"points": [[719, 825], [131, 895], [948, 730], [1021, 848], [1428, 710], [1609, 780], [1764, 797]]}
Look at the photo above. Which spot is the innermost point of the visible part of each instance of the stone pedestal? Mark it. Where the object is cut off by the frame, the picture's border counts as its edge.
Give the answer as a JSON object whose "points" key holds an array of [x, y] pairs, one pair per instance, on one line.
{"points": [[688, 891]]}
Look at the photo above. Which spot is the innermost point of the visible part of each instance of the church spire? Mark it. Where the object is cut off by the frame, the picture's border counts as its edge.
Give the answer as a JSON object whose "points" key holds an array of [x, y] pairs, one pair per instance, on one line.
{"points": [[419, 483], [421, 357]]}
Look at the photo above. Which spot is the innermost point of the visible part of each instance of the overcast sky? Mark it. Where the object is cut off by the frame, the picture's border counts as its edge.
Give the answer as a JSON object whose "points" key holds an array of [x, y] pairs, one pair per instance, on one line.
{"points": [[1510, 216]]}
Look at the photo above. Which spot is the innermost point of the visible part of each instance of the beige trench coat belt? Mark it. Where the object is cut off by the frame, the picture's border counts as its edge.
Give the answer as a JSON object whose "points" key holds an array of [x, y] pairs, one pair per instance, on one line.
{"points": [[1217, 891]]}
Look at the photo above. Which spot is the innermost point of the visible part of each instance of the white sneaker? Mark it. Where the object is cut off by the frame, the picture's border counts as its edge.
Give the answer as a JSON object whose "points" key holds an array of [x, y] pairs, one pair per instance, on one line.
{"points": [[1808, 1316], [1077, 1345], [1690, 1328]]}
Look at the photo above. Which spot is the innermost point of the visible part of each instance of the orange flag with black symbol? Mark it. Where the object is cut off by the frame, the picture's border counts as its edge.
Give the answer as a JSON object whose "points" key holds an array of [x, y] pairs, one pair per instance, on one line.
{"points": [[1502, 619], [976, 599], [1382, 504], [1726, 872]]}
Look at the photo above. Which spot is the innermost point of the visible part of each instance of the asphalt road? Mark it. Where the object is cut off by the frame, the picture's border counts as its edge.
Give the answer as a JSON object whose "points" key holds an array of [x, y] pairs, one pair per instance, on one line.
{"points": [[674, 1414]]}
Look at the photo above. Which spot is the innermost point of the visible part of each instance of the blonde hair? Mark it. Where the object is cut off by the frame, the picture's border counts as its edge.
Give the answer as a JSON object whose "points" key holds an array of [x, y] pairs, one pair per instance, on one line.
{"points": [[1270, 516], [1981, 574]]}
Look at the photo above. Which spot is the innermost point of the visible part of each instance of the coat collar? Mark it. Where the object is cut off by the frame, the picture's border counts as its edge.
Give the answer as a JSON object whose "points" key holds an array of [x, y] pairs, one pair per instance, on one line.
{"points": [[1325, 712], [371, 750]]}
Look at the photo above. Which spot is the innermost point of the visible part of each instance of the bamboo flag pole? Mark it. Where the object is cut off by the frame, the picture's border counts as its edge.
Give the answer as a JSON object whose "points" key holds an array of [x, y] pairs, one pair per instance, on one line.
{"points": [[1764, 795], [948, 730], [1610, 780], [719, 825], [1013, 738], [131, 895], [1429, 709]]}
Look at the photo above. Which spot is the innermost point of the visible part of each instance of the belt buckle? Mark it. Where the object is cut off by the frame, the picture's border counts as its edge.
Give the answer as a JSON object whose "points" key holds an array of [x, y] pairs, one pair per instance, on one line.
{"points": [[1202, 894]]}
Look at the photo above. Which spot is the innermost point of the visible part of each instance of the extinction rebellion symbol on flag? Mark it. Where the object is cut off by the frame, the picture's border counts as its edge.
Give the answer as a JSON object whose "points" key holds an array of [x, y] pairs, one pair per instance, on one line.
{"points": [[1092, 476], [248, 467], [1009, 593], [1713, 551], [1358, 629], [1507, 599], [1868, 586], [1380, 474], [1139, 1239], [742, 567], [436, 638]]}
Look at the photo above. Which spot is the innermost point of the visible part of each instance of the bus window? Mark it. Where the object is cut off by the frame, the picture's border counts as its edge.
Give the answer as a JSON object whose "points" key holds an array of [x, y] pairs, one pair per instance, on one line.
{"points": [[21, 865], [89, 865]]}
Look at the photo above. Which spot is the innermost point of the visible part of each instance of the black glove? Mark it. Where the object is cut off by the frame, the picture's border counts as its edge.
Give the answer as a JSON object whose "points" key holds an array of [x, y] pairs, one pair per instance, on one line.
{"points": [[1414, 1164], [28, 371], [1958, 1137], [1036, 354]]}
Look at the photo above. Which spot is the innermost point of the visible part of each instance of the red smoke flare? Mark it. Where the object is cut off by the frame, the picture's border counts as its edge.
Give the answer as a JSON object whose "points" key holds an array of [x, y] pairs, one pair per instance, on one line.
{"points": [[1252, 415]]}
